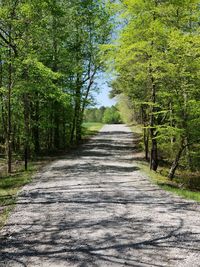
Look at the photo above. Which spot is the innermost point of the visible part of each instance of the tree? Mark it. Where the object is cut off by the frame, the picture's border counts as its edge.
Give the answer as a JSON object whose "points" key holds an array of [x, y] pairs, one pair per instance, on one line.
{"points": [[111, 115], [156, 61], [49, 56]]}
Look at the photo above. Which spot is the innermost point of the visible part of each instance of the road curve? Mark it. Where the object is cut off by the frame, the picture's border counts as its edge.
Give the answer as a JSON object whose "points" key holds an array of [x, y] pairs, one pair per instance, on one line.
{"points": [[95, 208]]}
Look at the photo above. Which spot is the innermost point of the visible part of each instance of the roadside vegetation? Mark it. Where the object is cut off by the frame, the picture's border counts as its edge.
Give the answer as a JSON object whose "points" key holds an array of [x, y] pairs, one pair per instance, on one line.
{"points": [[185, 183], [49, 59], [155, 61], [11, 184], [106, 115], [90, 129]]}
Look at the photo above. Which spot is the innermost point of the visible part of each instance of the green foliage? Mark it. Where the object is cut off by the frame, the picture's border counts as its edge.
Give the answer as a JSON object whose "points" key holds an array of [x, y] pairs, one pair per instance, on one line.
{"points": [[155, 60], [107, 115], [94, 114], [111, 116], [49, 58], [91, 128], [125, 108]]}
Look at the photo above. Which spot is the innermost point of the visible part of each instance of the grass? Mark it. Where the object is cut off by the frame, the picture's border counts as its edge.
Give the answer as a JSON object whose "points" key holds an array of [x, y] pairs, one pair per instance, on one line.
{"points": [[91, 128], [177, 186], [9, 188], [185, 184], [188, 194]]}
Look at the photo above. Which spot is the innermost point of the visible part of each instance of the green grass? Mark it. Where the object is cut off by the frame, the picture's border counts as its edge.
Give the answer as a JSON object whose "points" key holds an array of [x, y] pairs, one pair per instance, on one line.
{"points": [[182, 192], [9, 187], [91, 128], [185, 184], [175, 186]]}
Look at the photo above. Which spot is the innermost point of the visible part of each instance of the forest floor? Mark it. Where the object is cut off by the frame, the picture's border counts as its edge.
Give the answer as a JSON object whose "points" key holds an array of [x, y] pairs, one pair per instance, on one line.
{"points": [[95, 207]]}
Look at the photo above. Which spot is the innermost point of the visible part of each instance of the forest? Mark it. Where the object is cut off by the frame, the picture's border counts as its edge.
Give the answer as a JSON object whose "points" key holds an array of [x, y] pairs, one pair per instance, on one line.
{"points": [[155, 61], [49, 57], [89, 185], [52, 51], [108, 115]]}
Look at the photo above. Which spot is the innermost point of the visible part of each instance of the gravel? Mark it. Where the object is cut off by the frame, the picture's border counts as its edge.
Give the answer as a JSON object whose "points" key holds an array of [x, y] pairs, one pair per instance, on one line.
{"points": [[95, 208]]}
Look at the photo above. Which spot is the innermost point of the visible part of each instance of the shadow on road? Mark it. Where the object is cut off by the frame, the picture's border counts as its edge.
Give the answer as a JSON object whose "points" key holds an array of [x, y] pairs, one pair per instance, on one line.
{"points": [[96, 209]]}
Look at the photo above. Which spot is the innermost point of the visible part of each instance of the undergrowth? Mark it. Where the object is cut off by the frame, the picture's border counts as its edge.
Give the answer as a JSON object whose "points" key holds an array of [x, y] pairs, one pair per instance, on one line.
{"points": [[183, 184]]}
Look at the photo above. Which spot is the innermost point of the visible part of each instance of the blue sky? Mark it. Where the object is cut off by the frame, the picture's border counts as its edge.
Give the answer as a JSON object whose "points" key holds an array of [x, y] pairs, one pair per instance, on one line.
{"points": [[102, 97]]}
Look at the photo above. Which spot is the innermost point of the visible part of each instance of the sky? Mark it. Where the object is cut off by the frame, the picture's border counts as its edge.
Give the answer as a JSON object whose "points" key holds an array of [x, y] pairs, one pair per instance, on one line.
{"points": [[102, 97]]}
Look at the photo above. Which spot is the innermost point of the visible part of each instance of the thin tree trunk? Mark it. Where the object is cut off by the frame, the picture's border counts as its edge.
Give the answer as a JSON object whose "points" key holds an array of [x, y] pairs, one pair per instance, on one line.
{"points": [[76, 125], [154, 156], [9, 124], [35, 129], [145, 132], [26, 128], [153, 134], [146, 142], [78, 115], [50, 147], [154, 152], [57, 128], [176, 162], [72, 130]]}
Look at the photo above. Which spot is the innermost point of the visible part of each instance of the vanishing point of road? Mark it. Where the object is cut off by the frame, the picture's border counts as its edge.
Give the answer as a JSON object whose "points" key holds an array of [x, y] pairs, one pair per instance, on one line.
{"points": [[96, 208]]}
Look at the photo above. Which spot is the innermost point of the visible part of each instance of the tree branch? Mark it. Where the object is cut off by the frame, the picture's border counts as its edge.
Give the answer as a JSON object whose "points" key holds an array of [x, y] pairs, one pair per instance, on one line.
{"points": [[13, 46]]}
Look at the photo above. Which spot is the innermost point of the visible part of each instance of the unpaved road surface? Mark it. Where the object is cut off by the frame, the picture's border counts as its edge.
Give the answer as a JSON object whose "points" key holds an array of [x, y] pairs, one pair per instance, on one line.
{"points": [[95, 208]]}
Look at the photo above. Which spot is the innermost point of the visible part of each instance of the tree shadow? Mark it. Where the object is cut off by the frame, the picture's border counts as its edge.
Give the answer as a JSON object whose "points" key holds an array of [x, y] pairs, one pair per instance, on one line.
{"points": [[94, 208], [115, 245]]}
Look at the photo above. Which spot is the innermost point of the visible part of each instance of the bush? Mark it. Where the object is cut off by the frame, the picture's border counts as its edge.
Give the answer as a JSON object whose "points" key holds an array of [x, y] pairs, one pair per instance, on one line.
{"points": [[111, 116]]}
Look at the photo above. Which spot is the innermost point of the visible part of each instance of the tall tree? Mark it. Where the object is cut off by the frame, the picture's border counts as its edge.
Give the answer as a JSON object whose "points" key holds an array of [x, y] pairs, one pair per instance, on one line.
{"points": [[156, 61]]}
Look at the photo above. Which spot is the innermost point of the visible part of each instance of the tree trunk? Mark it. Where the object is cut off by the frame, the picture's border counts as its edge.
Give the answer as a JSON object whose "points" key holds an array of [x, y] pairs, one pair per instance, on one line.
{"points": [[78, 111], [146, 142], [154, 155], [175, 163], [72, 130], [35, 128], [144, 120], [51, 108], [154, 152], [76, 126], [26, 129], [9, 124]]}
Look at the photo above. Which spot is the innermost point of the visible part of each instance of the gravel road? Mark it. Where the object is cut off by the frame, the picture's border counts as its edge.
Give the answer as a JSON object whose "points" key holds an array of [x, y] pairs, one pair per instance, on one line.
{"points": [[96, 208]]}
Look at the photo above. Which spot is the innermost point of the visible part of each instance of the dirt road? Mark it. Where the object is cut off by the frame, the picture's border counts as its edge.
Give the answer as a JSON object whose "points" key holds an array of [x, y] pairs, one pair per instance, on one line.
{"points": [[95, 208]]}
